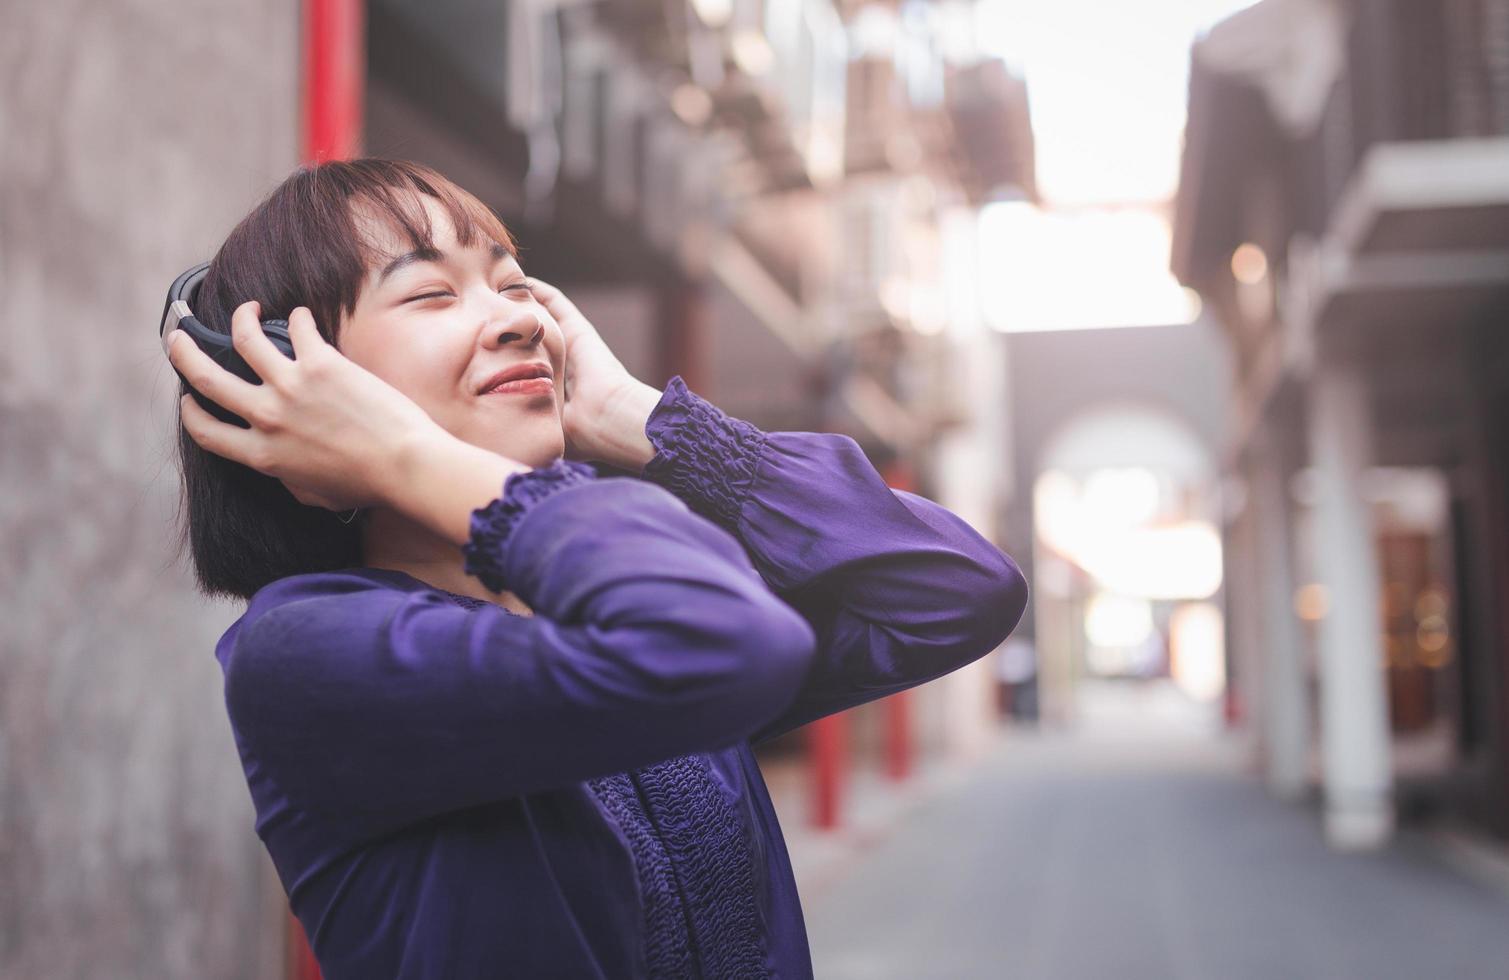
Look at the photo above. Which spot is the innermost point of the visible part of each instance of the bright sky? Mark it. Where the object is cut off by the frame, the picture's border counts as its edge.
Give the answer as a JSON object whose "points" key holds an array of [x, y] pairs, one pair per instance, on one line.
{"points": [[1107, 81]]}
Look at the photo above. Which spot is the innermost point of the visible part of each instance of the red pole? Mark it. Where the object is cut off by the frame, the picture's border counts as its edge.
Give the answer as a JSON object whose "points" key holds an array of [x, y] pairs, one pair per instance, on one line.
{"points": [[682, 311], [1233, 709], [335, 57], [334, 77], [301, 962], [826, 742], [898, 735]]}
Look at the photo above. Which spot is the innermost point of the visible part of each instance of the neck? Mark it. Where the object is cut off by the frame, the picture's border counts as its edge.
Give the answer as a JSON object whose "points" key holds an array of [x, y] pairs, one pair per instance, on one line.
{"points": [[391, 541]]}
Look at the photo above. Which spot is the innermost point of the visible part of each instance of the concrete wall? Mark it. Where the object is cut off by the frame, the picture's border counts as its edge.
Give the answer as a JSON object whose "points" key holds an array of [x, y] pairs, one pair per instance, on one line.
{"points": [[132, 136]]}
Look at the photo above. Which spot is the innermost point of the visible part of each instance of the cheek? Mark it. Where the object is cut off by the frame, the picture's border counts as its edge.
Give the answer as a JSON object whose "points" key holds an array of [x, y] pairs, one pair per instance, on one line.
{"points": [[424, 372]]}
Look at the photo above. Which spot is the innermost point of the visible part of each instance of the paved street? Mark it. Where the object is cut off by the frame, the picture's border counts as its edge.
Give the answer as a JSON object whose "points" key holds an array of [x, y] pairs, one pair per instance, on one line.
{"points": [[1138, 849]]}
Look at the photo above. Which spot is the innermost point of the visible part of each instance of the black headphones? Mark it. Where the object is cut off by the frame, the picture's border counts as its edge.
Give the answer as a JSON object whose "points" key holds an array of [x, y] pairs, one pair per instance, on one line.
{"points": [[177, 314]]}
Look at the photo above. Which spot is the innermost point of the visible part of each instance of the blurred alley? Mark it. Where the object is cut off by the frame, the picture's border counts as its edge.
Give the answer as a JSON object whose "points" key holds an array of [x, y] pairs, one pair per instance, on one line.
{"points": [[1194, 308], [1138, 846]]}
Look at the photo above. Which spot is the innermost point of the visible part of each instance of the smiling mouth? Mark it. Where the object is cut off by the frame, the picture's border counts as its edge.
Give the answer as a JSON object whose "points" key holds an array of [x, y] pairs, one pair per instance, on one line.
{"points": [[524, 386]]}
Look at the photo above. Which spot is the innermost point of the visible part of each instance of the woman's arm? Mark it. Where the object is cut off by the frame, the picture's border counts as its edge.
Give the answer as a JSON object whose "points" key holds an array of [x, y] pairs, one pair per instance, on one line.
{"points": [[898, 589], [439, 481], [652, 637]]}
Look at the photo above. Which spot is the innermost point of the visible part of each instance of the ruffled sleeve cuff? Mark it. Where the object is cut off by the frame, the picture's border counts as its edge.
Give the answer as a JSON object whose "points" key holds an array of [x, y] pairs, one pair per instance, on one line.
{"points": [[706, 458], [491, 525]]}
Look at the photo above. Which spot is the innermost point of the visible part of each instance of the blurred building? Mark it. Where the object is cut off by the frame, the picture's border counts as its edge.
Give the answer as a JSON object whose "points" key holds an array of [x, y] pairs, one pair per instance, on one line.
{"points": [[1342, 209], [764, 196]]}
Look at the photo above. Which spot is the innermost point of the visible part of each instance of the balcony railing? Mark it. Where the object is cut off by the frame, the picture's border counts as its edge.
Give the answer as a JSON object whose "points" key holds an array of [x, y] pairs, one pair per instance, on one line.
{"points": [[1414, 70]]}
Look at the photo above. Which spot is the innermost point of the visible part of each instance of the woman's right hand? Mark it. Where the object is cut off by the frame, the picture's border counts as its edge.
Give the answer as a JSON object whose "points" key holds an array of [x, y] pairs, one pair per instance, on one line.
{"points": [[333, 432]]}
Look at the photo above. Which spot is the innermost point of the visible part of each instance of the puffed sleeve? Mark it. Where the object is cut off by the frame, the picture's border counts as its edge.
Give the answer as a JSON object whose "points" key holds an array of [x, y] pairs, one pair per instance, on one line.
{"points": [[898, 589], [652, 637]]}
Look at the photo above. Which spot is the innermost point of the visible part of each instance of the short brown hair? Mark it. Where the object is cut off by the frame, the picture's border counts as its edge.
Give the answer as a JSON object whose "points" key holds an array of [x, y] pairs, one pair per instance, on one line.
{"points": [[302, 245]]}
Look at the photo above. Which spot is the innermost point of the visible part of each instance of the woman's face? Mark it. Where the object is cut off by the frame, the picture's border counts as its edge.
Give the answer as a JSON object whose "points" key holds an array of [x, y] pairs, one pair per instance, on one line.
{"points": [[440, 327]]}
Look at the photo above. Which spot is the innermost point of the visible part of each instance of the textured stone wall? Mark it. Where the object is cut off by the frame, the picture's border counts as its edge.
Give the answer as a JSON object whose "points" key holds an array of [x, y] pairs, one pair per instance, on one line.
{"points": [[132, 136]]}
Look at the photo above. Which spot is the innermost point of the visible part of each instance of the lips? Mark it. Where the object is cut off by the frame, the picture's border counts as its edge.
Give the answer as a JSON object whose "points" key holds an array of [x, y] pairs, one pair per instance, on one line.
{"points": [[535, 376]]}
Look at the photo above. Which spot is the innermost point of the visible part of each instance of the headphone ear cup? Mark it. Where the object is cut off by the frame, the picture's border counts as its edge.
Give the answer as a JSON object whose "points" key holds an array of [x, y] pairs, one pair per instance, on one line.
{"points": [[223, 352], [277, 332], [177, 314], [229, 358]]}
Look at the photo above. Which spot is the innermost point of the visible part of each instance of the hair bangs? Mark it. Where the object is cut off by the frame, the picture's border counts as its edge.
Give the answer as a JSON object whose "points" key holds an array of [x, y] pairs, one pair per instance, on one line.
{"points": [[394, 206]]}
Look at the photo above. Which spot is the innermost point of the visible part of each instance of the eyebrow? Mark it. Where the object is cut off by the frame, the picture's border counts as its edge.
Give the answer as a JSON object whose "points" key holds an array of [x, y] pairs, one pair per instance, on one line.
{"points": [[428, 253]]}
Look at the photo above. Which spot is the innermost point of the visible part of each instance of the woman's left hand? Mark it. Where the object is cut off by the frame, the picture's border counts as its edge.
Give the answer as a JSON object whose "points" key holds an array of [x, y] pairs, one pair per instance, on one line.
{"points": [[606, 407]]}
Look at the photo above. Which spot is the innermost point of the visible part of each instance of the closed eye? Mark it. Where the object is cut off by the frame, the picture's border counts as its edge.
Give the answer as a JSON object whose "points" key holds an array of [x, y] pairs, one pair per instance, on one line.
{"points": [[516, 287]]}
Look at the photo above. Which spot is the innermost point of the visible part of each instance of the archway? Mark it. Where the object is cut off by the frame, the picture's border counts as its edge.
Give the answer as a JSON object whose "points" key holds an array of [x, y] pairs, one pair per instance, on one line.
{"points": [[1127, 564]]}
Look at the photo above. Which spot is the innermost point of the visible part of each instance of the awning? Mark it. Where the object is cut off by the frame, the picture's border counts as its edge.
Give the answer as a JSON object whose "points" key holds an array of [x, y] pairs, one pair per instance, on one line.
{"points": [[1293, 51]]}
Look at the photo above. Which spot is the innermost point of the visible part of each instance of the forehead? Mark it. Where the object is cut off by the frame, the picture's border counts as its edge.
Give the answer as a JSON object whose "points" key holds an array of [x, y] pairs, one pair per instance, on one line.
{"points": [[415, 223], [408, 221]]}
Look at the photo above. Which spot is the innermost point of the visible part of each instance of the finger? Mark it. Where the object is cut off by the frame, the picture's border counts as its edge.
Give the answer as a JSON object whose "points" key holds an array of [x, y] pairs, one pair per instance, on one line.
{"points": [[254, 347], [555, 301], [304, 333], [220, 438], [210, 379]]}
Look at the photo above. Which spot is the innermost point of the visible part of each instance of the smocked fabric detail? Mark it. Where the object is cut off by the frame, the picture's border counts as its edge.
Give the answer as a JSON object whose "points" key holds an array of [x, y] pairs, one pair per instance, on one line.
{"points": [[703, 456], [473, 603], [491, 525], [667, 941], [709, 854]]}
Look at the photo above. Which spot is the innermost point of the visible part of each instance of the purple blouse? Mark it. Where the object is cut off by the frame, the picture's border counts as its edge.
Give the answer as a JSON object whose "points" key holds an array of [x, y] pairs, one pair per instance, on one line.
{"points": [[448, 789]]}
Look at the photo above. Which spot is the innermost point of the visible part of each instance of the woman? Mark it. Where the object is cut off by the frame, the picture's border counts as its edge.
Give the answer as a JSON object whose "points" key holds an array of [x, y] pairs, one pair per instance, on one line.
{"points": [[495, 710]]}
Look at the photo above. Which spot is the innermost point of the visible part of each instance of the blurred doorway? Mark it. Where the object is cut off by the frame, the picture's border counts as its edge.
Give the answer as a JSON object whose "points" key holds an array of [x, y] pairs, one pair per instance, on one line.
{"points": [[1127, 557]]}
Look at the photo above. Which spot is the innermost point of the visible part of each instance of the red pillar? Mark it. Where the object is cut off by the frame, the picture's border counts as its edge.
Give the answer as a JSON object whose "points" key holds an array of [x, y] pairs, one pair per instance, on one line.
{"points": [[681, 340], [1233, 711], [827, 742], [335, 49], [334, 77], [301, 964]]}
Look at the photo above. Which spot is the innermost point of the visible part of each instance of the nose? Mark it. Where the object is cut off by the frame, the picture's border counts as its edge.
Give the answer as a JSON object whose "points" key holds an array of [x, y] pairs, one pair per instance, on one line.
{"points": [[516, 325]]}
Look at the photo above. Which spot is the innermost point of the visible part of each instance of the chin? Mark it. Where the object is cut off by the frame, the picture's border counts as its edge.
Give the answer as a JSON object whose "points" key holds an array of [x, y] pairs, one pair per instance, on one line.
{"points": [[534, 438], [536, 449]]}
